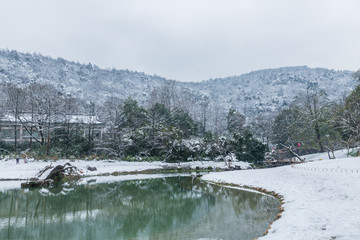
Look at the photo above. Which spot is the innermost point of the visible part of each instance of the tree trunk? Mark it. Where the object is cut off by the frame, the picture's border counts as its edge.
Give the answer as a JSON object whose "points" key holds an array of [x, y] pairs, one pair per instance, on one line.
{"points": [[318, 137], [15, 142]]}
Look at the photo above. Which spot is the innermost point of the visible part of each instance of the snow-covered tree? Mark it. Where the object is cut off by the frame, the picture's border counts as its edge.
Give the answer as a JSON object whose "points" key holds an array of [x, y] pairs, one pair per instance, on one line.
{"points": [[235, 121], [262, 127], [204, 114], [15, 103], [348, 118], [159, 119]]}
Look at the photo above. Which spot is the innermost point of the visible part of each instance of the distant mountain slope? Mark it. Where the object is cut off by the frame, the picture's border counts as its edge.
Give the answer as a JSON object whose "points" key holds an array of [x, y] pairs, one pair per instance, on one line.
{"points": [[269, 89], [81, 81], [254, 92]]}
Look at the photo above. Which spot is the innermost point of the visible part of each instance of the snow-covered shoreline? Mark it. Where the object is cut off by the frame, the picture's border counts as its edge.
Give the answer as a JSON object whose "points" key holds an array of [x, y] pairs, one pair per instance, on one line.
{"points": [[318, 204], [9, 170]]}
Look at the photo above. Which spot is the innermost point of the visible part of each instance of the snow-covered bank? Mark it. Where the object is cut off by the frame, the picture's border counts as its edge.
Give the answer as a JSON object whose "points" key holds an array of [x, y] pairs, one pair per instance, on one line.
{"points": [[318, 204], [10, 170]]}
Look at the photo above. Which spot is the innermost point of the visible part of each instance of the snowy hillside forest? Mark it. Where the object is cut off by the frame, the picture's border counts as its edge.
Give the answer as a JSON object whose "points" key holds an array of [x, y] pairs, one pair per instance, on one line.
{"points": [[150, 116], [250, 94]]}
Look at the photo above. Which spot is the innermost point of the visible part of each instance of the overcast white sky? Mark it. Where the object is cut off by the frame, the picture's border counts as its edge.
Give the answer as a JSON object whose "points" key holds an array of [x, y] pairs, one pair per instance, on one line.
{"points": [[187, 40]]}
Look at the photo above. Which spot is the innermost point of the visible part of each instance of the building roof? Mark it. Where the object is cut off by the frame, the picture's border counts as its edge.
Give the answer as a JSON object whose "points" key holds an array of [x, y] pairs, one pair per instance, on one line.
{"points": [[74, 119]]}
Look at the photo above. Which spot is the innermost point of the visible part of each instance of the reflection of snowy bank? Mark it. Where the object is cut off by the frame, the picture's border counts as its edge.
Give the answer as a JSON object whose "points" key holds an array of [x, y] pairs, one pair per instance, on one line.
{"points": [[5, 185], [155, 208], [318, 204], [111, 179], [47, 192], [68, 217]]}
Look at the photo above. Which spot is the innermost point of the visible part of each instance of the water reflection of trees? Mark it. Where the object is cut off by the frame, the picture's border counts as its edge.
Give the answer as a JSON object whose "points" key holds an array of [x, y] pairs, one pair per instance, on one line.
{"points": [[123, 210]]}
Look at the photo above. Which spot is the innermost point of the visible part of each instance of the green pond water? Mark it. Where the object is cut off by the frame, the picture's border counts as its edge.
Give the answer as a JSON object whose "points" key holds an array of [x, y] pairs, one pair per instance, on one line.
{"points": [[160, 208]]}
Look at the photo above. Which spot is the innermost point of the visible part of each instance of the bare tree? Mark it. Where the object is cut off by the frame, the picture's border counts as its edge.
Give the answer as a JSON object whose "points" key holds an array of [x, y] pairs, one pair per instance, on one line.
{"points": [[15, 103], [314, 104], [288, 129], [217, 118], [110, 114], [49, 107], [306, 123], [166, 94], [158, 118], [348, 118], [262, 127]]}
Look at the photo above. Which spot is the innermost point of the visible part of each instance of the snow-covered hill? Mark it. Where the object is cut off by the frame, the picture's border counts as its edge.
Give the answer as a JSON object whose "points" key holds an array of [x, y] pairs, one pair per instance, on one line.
{"points": [[269, 89], [80, 80], [254, 92]]}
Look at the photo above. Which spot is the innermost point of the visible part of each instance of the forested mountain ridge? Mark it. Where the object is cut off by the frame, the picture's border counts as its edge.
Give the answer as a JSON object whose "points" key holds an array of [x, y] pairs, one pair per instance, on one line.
{"points": [[141, 115], [250, 93], [270, 89], [79, 80]]}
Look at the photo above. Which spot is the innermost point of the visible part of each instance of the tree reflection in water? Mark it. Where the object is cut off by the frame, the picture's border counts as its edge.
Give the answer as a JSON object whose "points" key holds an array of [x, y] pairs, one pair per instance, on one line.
{"points": [[162, 208]]}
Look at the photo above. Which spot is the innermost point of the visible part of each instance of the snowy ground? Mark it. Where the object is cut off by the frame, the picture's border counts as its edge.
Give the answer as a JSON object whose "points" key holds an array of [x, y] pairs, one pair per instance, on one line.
{"points": [[10, 170], [322, 198]]}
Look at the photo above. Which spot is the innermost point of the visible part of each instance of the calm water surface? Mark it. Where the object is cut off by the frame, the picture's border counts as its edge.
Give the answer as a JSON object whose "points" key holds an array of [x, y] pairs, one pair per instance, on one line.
{"points": [[162, 208]]}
